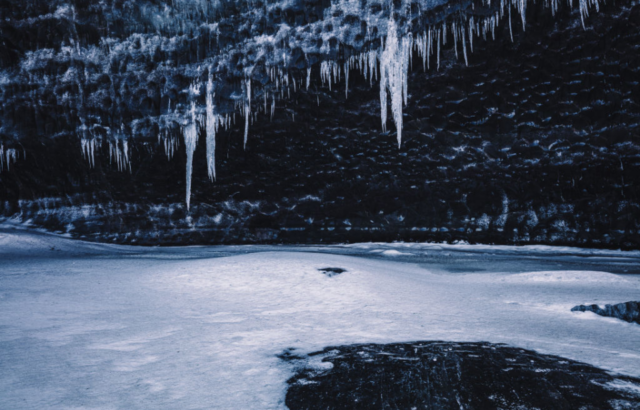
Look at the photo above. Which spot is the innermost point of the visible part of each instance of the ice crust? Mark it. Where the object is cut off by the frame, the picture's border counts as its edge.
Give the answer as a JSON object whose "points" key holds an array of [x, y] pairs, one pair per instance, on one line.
{"points": [[104, 326]]}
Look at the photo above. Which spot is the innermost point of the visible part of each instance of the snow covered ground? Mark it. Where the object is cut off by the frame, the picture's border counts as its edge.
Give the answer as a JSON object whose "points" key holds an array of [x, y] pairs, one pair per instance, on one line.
{"points": [[90, 326]]}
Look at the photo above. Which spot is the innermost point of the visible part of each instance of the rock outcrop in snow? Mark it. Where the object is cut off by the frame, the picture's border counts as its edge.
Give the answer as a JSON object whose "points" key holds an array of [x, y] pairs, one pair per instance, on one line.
{"points": [[629, 311]]}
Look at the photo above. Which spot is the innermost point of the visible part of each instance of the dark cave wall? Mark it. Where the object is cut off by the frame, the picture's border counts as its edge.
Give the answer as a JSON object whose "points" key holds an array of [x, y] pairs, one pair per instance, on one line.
{"points": [[536, 141]]}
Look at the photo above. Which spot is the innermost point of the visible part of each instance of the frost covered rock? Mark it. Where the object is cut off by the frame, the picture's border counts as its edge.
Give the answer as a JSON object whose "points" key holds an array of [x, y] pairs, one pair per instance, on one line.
{"points": [[449, 375]]}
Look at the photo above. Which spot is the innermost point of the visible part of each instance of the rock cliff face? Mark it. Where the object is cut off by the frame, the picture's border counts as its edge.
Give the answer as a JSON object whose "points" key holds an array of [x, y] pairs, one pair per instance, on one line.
{"points": [[106, 107]]}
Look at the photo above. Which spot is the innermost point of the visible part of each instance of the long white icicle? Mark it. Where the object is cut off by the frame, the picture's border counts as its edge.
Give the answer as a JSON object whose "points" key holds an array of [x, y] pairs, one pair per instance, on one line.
{"points": [[212, 128], [394, 64], [190, 134], [247, 110]]}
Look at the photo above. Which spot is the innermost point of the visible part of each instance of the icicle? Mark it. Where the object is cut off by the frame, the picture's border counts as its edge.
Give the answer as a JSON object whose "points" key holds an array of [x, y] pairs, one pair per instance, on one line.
{"points": [[346, 78], [584, 11], [464, 48], [406, 57], [438, 44], [308, 77], [212, 128], [125, 150], [273, 106], [373, 66], [444, 34], [455, 38], [88, 150], [471, 27], [247, 109], [510, 30], [12, 156], [393, 77], [190, 134]]}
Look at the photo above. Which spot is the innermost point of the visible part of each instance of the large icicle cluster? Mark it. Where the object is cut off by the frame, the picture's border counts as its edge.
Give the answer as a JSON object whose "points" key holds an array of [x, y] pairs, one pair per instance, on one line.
{"points": [[376, 37]]}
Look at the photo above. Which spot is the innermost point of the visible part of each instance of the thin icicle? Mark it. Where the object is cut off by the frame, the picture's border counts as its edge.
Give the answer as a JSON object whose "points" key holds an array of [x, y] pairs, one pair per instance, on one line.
{"points": [[190, 134], [212, 128], [464, 48], [346, 78], [247, 109], [273, 106], [455, 38], [510, 29], [438, 43], [471, 28], [125, 151]]}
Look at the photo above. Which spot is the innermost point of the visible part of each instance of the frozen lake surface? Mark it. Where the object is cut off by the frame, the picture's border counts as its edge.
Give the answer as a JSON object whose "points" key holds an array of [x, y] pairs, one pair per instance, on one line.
{"points": [[93, 326]]}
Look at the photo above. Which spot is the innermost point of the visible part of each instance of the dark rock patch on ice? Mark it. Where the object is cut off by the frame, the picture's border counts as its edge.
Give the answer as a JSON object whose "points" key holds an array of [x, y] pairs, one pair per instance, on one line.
{"points": [[288, 355], [629, 311], [331, 272], [444, 375]]}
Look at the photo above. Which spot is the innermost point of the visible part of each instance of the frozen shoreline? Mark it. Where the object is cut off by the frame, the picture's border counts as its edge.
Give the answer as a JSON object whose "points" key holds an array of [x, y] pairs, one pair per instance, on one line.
{"points": [[105, 326]]}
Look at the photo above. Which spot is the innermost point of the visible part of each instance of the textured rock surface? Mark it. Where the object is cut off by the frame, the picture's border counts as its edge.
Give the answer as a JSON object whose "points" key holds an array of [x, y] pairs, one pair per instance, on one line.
{"points": [[444, 375], [629, 311], [535, 142]]}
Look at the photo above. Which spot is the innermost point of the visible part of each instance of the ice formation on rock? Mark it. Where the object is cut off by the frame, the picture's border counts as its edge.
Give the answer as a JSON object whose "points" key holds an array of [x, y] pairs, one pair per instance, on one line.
{"points": [[190, 134], [146, 63], [7, 157]]}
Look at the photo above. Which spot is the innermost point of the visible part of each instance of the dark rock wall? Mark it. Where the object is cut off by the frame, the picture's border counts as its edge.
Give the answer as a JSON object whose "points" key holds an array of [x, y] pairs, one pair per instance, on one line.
{"points": [[537, 141]]}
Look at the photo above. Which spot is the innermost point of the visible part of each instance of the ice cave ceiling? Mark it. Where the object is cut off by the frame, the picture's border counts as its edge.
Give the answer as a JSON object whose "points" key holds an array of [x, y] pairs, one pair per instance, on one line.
{"points": [[500, 115]]}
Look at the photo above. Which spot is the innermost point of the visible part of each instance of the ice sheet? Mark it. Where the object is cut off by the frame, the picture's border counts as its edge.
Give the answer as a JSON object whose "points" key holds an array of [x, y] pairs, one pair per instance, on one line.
{"points": [[125, 327]]}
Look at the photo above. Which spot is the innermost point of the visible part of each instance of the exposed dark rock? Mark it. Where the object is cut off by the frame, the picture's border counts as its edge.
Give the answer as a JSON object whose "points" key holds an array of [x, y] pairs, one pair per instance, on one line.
{"points": [[629, 311], [331, 272], [288, 355], [445, 375]]}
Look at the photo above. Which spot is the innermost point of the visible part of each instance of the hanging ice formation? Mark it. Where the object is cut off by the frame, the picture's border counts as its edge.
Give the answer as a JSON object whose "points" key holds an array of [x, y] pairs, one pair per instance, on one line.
{"points": [[247, 110], [271, 68], [190, 134], [120, 155], [394, 64], [88, 149], [212, 128], [8, 156]]}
